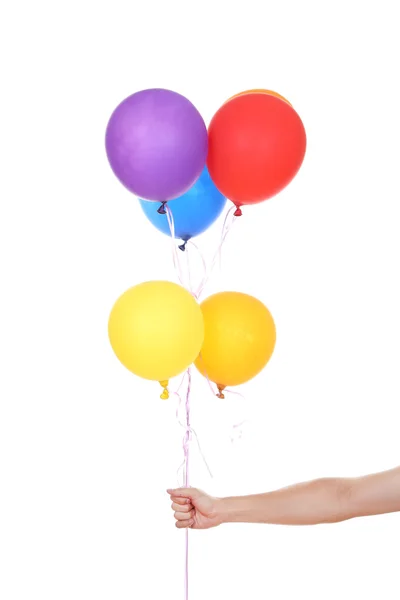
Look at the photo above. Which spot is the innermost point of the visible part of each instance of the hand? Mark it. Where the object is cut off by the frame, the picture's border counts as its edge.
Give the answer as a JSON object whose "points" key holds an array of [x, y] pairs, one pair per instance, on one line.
{"points": [[195, 509]]}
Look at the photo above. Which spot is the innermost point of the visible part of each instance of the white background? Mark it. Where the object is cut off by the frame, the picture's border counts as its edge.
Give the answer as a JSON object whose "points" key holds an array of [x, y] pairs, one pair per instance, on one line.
{"points": [[86, 449]]}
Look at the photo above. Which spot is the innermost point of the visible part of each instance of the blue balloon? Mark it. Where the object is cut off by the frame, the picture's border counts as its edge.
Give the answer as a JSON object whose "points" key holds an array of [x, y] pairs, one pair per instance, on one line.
{"points": [[193, 212]]}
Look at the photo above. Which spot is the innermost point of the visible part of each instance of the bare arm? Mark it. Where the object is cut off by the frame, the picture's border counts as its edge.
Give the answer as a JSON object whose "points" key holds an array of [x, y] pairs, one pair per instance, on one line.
{"points": [[320, 501]]}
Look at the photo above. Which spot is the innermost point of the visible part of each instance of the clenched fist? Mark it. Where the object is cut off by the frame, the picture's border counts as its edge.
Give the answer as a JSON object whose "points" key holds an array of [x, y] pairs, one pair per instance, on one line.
{"points": [[195, 509]]}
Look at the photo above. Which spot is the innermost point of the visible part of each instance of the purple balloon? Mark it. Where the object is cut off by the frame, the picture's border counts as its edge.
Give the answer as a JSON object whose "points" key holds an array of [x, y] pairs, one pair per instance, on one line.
{"points": [[156, 143]]}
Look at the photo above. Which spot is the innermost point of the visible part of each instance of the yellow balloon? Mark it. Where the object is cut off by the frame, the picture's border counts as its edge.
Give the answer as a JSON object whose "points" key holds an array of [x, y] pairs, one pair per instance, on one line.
{"points": [[156, 329], [239, 338], [270, 92]]}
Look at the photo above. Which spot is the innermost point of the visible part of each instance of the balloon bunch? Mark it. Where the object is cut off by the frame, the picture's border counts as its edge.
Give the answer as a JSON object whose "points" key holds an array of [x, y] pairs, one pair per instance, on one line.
{"points": [[159, 148]]}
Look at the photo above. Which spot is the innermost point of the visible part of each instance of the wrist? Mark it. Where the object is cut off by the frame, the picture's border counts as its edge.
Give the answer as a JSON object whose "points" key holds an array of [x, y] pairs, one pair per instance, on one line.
{"points": [[233, 510], [222, 510]]}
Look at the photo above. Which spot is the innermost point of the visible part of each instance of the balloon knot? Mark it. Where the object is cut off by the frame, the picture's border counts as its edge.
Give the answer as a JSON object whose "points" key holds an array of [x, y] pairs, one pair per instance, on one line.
{"points": [[182, 246], [220, 392], [238, 212], [165, 394], [161, 210]]}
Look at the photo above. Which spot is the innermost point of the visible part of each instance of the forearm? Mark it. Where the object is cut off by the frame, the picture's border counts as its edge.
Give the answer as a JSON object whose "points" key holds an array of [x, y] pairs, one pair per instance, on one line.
{"points": [[319, 501]]}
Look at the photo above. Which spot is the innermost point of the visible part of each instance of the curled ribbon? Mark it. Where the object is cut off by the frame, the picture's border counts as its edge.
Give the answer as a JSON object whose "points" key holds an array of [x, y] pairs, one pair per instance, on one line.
{"points": [[196, 292]]}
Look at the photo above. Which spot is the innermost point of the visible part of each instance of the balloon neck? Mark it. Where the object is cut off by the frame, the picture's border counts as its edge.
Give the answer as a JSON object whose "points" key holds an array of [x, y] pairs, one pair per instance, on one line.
{"points": [[183, 246], [161, 210], [220, 392], [165, 394], [238, 212]]}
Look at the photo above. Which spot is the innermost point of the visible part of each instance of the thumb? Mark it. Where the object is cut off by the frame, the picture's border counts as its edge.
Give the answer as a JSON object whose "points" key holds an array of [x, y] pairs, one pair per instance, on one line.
{"points": [[190, 493]]}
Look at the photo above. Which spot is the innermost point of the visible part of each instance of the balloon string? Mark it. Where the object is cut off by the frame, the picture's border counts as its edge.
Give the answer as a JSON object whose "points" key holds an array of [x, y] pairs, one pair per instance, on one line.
{"points": [[187, 438], [230, 219], [175, 256], [189, 272], [189, 429], [186, 442], [237, 428], [202, 259], [189, 432], [231, 214]]}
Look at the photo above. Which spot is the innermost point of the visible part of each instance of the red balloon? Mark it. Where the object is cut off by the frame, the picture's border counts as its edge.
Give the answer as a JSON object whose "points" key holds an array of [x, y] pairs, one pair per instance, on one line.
{"points": [[257, 144]]}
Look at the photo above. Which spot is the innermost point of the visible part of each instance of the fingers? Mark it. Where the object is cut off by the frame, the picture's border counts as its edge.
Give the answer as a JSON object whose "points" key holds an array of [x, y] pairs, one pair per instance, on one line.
{"points": [[184, 516], [180, 492], [182, 505], [180, 501], [184, 524], [179, 508], [189, 493]]}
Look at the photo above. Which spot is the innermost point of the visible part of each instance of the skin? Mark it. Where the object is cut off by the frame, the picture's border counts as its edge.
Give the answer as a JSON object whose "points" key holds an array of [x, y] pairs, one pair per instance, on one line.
{"points": [[311, 503]]}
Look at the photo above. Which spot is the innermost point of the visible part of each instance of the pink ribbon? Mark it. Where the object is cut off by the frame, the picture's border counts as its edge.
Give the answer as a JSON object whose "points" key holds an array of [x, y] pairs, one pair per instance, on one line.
{"points": [[196, 293], [187, 438], [229, 221], [237, 428], [186, 442]]}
